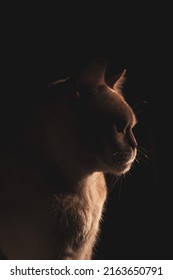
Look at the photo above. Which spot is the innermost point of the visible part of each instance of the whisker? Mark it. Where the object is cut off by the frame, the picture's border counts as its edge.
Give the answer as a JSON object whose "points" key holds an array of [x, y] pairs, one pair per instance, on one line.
{"points": [[143, 151], [137, 160], [142, 155]]}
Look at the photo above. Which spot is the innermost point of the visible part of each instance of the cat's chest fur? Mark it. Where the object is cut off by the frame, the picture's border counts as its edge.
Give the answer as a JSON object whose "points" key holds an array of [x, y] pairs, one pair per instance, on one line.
{"points": [[76, 218]]}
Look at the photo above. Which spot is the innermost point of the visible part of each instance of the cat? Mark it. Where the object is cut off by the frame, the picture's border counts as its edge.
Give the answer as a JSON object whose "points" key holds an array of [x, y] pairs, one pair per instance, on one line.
{"points": [[53, 188]]}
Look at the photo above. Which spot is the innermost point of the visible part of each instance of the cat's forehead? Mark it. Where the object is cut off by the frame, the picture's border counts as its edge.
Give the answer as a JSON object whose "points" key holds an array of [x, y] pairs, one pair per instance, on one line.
{"points": [[108, 102], [100, 91], [105, 89], [102, 99], [103, 93]]}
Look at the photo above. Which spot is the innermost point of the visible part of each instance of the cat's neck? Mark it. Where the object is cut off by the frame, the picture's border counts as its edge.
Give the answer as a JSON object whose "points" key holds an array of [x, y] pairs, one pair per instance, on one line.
{"points": [[68, 176]]}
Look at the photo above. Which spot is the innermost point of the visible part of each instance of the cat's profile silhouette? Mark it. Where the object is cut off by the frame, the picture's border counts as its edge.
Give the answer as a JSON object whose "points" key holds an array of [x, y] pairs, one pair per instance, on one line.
{"points": [[52, 186]]}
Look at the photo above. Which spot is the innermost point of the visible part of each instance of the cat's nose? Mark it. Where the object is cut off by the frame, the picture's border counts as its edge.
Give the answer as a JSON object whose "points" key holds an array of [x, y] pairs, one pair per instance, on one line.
{"points": [[131, 138], [123, 127]]}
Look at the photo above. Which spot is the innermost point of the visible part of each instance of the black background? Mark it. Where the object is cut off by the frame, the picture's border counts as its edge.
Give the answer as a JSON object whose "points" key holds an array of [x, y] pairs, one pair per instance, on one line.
{"points": [[41, 46]]}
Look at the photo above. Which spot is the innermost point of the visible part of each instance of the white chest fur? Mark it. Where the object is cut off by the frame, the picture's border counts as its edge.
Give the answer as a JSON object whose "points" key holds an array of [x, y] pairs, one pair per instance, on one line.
{"points": [[76, 218]]}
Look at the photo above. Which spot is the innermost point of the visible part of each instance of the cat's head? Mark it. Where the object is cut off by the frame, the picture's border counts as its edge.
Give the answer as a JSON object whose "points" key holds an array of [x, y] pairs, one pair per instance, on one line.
{"points": [[103, 139]]}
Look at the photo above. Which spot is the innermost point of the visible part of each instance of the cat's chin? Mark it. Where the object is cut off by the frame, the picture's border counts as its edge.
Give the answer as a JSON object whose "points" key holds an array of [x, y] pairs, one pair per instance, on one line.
{"points": [[121, 170], [116, 170], [124, 168], [107, 166]]}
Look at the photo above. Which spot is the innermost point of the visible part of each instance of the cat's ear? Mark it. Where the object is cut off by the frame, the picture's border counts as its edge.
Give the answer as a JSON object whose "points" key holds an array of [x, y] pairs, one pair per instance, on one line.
{"points": [[117, 80], [94, 73]]}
